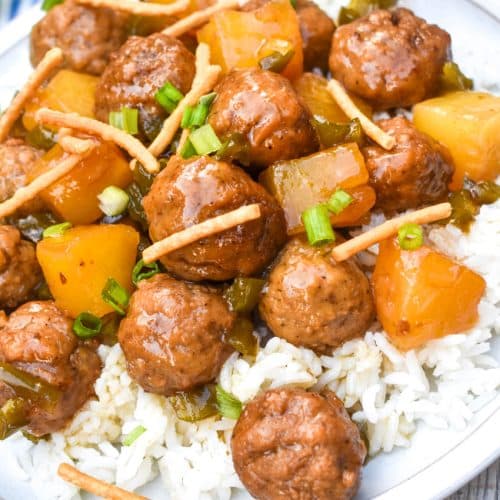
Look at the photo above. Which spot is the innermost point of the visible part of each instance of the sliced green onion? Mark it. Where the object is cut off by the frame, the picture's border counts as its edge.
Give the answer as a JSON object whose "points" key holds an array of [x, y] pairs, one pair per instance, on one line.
{"points": [[113, 200], [144, 271], [87, 325], [168, 97], [187, 150], [126, 119], [276, 61], [339, 201], [410, 236], [115, 295], [133, 435], [186, 117], [227, 404], [204, 140], [56, 230], [48, 4], [317, 224]]}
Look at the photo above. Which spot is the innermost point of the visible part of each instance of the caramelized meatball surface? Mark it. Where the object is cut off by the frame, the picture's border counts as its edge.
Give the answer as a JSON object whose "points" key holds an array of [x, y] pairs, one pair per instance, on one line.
{"points": [[261, 111], [38, 339], [173, 335], [19, 269], [289, 443], [415, 172], [136, 72], [188, 192], [86, 35], [390, 58], [314, 302]]}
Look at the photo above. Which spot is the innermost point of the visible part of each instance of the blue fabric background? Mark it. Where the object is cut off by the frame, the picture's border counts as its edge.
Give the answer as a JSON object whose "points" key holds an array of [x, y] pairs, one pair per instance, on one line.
{"points": [[12, 8]]}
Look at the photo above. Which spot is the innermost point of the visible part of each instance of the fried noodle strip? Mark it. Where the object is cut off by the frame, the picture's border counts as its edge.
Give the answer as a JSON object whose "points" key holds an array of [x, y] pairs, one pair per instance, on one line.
{"points": [[204, 80], [200, 17], [93, 485], [108, 133], [52, 59], [182, 140], [139, 8], [352, 111], [388, 229], [202, 230], [75, 145]]}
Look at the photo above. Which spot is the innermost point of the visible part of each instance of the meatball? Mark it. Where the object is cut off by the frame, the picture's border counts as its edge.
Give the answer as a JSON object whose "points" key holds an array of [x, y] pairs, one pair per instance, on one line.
{"points": [[17, 160], [314, 302], [86, 35], [415, 172], [289, 443], [173, 335], [188, 192], [390, 58], [19, 269], [38, 339], [261, 110], [316, 29], [136, 72]]}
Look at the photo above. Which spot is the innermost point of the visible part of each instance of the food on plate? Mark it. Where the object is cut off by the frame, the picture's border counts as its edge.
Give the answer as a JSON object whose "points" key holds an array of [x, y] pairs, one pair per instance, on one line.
{"points": [[243, 249]]}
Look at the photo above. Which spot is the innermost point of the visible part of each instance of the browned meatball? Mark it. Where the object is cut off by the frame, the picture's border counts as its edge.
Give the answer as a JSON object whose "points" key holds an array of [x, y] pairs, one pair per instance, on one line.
{"points": [[415, 172], [86, 35], [261, 110], [19, 269], [289, 443], [173, 334], [38, 339], [136, 72], [314, 302], [390, 58], [17, 160], [188, 192]]}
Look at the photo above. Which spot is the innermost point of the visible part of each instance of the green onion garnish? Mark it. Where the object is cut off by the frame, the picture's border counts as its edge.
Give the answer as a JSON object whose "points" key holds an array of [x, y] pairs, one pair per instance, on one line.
{"points": [[48, 4], [56, 230], [227, 404], [339, 201], [126, 119], [317, 224], [168, 97], [113, 200], [133, 435], [204, 140], [115, 295], [186, 117], [87, 325], [410, 236], [144, 271], [196, 116], [187, 150]]}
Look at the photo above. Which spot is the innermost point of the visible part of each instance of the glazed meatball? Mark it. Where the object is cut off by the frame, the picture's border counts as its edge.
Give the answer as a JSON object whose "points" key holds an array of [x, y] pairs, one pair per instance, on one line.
{"points": [[314, 302], [415, 172], [17, 160], [262, 111], [173, 335], [19, 269], [316, 29], [289, 443], [390, 58], [136, 72], [188, 192], [86, 35], [38, 339]]}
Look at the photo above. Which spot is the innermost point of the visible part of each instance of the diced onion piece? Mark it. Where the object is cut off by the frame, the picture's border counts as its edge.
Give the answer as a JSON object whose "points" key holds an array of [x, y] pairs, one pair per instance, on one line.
{"points": [[126, 119], [227, 404], [317, 225], [87, 325], [56, 230], [133, 435], [410, 236], [204, 140], [115, 295], [339, 201], [113, 201]]}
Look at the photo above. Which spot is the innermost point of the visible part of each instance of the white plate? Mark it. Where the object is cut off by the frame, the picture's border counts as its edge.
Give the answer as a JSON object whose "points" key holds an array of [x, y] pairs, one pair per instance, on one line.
{"points": [[438, 462]]}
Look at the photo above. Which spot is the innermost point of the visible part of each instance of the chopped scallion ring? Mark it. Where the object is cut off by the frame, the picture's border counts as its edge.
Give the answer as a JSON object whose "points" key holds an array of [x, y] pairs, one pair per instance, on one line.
{"points": [[133, 435], [115, 295], [87, 325], [410, 236], [339, 201], [168, 97], [227, 404], [204, 140], [144, 271], [56, 230], [317, 224], [113, 201], [126, 119], [48, 4], [186, 117], [187, 150], [196, 116]]}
